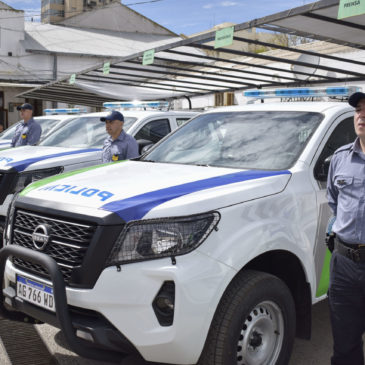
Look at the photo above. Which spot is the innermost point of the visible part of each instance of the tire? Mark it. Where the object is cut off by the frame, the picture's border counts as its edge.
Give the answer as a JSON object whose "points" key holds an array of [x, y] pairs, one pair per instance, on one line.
{"points": [[254, 323]]}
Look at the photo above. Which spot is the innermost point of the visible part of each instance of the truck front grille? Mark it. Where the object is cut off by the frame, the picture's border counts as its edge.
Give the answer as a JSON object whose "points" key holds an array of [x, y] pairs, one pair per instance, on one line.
{"points": [[67, 244]]}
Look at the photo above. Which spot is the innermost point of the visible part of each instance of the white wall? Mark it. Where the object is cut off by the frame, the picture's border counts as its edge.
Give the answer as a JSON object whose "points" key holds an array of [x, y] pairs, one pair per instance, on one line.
{"points": [[10, 97], [11, 31], [119, 18]]}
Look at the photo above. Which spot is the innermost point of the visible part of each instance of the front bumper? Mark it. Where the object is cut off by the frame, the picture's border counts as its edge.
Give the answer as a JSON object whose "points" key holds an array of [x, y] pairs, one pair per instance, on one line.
{"points": [[121, 300], [62, 319]]}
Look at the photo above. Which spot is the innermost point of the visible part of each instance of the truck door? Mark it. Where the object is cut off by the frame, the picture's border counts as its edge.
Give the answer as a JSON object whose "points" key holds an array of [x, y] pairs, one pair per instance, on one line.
{"points": [[152, 132], [341, 133]]}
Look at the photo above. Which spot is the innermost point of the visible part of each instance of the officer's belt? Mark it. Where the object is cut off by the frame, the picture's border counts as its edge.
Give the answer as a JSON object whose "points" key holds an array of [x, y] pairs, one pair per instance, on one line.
{"points": [[355, 252]]}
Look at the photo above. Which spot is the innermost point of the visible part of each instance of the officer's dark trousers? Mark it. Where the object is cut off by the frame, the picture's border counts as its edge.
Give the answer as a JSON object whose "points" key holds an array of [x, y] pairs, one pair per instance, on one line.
{"points": [[347, 308]]}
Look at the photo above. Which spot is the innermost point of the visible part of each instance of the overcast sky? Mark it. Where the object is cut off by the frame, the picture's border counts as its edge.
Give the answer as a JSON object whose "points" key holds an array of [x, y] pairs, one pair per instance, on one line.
{"points": [[189, 16]]}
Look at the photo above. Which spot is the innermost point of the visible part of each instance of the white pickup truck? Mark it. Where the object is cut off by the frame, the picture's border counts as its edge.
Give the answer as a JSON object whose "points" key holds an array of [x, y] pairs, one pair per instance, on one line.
{"points": [[49, 124], [75, 145], [207, 250]]}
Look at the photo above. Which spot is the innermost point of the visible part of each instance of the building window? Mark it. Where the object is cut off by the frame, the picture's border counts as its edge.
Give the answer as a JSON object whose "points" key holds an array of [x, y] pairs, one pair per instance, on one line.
{"points": [[224, 99], [53, 12]]}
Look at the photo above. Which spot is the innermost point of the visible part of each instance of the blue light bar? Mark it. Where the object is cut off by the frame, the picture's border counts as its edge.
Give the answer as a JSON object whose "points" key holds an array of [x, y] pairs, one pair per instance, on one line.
{"points": [[136, 104], [64, 111], [300, 92]]}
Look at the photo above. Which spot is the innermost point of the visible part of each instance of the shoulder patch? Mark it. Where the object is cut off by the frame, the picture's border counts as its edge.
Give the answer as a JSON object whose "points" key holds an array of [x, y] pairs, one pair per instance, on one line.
{"points": [[346, 147]]}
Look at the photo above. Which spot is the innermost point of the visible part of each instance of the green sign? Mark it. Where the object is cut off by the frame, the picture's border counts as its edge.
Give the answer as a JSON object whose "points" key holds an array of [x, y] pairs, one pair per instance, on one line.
{"points": [[72, 79], [106, 68], [348, 8], [224, 37], [148, 57]]}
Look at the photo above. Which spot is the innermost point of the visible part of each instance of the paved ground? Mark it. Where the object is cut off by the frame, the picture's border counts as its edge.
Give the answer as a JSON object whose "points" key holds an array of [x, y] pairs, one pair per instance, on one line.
{"points": [[22, 344]]}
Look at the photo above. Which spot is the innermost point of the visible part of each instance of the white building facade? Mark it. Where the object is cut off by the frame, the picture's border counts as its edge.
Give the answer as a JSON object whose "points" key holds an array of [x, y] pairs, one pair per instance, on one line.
{"points": [[33, 53]]}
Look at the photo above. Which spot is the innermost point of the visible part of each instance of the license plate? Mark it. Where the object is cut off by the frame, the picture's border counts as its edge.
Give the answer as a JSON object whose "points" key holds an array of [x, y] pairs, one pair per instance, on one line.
{"points": [[36, 293]]}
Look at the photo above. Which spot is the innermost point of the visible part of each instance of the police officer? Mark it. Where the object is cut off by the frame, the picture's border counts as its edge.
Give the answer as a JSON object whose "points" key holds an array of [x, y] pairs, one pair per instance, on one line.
{"points": [[28, 132], [346, 196], [119, 145]]}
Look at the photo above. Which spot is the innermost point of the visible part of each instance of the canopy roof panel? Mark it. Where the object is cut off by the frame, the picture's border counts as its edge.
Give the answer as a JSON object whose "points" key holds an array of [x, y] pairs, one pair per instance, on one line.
{"points": [[193, 67]]}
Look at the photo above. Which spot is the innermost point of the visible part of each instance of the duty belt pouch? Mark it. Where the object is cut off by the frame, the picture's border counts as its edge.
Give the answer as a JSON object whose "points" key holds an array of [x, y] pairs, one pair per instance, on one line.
{"points": [[330, 241]]}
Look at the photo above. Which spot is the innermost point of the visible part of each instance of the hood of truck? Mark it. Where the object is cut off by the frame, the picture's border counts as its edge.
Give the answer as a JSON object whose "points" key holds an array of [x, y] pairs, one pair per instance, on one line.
{"points": [[5, 143], [136, 189], [37, 157]]}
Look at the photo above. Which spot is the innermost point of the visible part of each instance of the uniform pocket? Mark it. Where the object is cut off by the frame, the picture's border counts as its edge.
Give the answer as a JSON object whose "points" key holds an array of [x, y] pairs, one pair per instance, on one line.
{"points": [[345, 186], [343, 182]]}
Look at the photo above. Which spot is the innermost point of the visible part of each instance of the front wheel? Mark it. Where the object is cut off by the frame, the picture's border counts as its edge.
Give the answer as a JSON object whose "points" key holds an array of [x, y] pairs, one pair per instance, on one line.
{"points": [[254, 323]]}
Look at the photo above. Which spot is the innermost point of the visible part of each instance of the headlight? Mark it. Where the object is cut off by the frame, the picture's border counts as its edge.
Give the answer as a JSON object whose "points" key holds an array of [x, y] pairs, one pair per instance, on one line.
{"points": [[25, 178], [9, 221], [156, 238]]}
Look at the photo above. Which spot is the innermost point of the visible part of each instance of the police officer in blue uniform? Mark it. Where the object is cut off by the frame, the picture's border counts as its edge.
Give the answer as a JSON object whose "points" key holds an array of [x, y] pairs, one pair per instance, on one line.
{"points": [[28, 132], [119, 145], [346, 196]]}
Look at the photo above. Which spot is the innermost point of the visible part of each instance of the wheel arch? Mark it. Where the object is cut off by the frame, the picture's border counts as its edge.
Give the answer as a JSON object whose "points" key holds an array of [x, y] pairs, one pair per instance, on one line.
{"points": [[286, 266]]}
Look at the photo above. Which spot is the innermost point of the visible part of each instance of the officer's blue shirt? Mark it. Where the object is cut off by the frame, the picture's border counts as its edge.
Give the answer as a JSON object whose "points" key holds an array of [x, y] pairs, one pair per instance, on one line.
{"points": [[346, 192], [26, 133], [122, 148]]}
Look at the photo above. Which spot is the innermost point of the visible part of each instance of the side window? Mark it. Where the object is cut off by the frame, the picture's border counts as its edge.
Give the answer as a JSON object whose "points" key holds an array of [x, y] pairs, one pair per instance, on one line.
{"points": [[154, 131], [343, 134], [180, 121]]}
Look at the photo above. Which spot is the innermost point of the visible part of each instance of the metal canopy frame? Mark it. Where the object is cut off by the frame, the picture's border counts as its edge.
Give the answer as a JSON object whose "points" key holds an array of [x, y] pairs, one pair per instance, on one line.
{"points": [[193, 67]]}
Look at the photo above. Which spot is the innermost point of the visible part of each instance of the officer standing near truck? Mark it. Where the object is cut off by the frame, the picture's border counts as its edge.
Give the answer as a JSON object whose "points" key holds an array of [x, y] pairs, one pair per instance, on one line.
{"points": [[28, 132], [119, 145], [346, 195]]}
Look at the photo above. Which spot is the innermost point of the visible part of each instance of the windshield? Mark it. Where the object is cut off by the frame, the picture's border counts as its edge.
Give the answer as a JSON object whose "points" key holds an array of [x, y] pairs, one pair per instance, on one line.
{"points": [[9, 132], [81, 132], [46, 124], [51, 128], [128, 122], [270, 140]]}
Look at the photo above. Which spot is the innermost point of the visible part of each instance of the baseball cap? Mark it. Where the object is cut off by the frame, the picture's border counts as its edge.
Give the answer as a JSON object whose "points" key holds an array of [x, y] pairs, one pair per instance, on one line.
{"points": [[113, 115], [355, 98], [24, 106]]}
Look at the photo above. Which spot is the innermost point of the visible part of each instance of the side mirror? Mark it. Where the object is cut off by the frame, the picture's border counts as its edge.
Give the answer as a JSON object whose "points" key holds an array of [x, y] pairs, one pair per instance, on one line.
{"points": [[326, 163], [321, 171], [146, 148], [142, 143]]}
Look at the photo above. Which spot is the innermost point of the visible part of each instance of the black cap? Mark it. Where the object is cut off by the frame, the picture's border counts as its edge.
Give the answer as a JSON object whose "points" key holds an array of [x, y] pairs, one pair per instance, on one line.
{"points": [[355, 98], [25, 106], [113, 115]]}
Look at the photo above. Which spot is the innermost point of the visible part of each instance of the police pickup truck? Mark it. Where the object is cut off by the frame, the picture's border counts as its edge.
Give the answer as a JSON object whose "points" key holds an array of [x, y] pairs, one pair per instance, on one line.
{"points": [[209, 249], [75, 145], [49, 124]]}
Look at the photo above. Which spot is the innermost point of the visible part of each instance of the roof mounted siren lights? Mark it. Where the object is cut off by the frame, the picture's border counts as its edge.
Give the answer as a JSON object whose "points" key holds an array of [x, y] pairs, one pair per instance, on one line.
{"points": [[141, 105], [303, 92], [64, 111]]}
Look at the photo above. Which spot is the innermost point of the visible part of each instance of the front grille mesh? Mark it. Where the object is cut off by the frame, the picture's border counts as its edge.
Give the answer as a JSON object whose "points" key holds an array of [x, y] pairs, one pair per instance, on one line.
{"points": [[67, 244]]}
